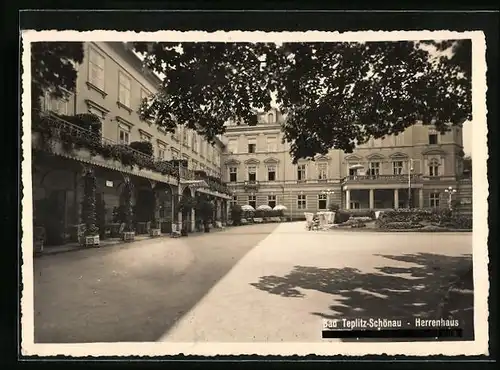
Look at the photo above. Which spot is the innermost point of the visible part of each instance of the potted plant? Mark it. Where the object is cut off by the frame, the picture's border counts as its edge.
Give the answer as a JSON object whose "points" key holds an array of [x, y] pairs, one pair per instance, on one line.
{"points": [[128, 231], [90, 237], [155, 229], [205, 210]]}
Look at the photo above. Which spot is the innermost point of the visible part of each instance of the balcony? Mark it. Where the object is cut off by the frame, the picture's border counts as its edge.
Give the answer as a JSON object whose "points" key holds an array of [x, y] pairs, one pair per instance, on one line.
{"points": [[381, 179], [51, 133], [251, 185]]}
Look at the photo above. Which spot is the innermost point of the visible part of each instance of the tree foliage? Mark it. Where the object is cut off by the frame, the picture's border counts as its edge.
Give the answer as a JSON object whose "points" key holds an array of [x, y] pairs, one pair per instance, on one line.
{"points": [[334, 95], [53, 68]]}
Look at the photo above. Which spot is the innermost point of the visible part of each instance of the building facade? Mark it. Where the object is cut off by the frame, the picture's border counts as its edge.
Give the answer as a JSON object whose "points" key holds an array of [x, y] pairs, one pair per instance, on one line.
{"points": [[111, 84], [416, 168]]}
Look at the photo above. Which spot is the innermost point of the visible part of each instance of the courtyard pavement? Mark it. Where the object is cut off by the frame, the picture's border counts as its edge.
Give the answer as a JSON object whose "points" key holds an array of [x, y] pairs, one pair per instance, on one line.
{"points": [[268, 282], [280, 291]]}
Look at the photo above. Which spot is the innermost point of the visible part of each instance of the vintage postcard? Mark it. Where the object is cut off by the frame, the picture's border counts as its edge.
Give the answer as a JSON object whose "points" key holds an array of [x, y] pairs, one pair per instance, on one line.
{"points": [[253, 193]]}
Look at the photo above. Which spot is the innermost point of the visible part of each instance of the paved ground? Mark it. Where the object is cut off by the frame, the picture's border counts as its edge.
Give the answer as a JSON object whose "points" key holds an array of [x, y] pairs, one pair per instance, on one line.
{"points": [[132, 292], [208, 288], [283, 288]]}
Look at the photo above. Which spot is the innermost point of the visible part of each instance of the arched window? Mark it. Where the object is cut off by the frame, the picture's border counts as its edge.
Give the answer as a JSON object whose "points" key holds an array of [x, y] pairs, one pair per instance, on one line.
{"points": [[434, 167], [270, 118]]}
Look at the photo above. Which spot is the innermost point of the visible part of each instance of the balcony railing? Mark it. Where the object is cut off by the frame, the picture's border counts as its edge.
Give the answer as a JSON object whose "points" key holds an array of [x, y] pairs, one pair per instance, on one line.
{"points": [[251, 184], [389, 179], [73, 137]]}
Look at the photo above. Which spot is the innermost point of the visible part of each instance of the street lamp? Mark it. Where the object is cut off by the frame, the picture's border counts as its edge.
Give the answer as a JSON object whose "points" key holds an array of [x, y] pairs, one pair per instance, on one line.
{"points": [[410, 170], [450, 192], [327, 192]]}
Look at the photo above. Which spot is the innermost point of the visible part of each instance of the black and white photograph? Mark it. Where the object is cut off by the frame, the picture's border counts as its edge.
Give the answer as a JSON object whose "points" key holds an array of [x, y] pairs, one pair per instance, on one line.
{"points": [[232, 193]]}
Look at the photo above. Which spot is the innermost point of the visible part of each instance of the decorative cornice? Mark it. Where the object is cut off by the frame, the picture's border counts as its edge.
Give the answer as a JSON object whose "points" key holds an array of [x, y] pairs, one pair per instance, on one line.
{"points": [[145, 133], [91, 86], [123, 106]]}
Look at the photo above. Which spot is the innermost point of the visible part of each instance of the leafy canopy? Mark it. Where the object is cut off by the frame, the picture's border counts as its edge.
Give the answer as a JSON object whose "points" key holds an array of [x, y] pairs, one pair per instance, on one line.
{"points": [[53, 68], [334, 95]]}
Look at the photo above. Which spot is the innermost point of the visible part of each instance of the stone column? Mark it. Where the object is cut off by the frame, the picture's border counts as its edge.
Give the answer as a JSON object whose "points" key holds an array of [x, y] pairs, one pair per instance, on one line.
{"points": [[421, 198], [193, 220], [372, 200], [347, 199], [219, 209], [396, 198]]}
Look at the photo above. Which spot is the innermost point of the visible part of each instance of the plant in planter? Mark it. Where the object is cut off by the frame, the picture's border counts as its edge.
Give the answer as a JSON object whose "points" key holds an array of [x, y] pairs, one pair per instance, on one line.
{"points": [[91, 234], [128, 231], [205, 210], [236, 214]]}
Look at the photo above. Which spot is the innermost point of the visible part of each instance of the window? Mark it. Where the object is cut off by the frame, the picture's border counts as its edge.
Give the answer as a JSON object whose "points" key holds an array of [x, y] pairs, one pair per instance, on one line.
{"points": [[233, 174], [301, 201], [397, 167], [354, 204], [194, 142], [271, 173], [270, 118], [322, 168], [185, 136], [433, 139], [434, 167], [271, 201], [214, 155], [434, 200], [271, 144], [175, 154], [353, 172], [96, 69], [322, 198], [161, 151], [252, 145], [124, 89], [252, 201], [301, 172], [232, 146], [398, 139], [234, 200], [374, 169], [123, 134], [252, 173]]}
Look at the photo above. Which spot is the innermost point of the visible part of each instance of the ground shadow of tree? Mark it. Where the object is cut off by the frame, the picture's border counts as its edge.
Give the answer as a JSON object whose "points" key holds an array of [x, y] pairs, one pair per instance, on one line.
{"points": [[416, 290]]}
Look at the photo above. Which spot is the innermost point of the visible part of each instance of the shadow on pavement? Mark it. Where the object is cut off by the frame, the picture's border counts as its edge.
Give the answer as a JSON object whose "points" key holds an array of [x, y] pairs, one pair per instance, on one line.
{"points": [[391, 292]]}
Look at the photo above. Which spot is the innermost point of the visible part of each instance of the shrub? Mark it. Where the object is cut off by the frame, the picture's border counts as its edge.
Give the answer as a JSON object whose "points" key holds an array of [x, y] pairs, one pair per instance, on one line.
{"points": [[341, 217], [333, 207], [236, 214], [362, 213], [144, 147], [400, 225]]}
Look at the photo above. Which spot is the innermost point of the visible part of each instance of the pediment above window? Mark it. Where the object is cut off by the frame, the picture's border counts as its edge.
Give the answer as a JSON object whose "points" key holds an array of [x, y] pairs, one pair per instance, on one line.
{"points": [[353, 158], [375, 156], [433, 152], [271, 160], [399, 155], [252, 161], [323, 158], [93, 105], [232, 161]]}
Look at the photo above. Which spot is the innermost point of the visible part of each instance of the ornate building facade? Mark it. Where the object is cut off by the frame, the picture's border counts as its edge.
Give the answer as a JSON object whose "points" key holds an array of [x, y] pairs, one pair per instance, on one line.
{"points": [[417, 168]]}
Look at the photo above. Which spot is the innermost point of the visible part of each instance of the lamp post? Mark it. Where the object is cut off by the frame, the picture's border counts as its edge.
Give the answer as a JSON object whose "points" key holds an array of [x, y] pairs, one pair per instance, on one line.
{"points": [[450, 192], [327, 192], [410, 170]]}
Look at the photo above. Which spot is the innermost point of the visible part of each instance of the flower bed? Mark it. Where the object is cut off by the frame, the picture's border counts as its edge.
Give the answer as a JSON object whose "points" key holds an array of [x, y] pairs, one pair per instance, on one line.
{"points": [[418, 218]]}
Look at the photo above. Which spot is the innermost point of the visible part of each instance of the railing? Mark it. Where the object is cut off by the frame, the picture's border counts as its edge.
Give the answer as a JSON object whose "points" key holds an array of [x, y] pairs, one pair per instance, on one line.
{"points": [[383, 178], [74, 137], [251, 184]]}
